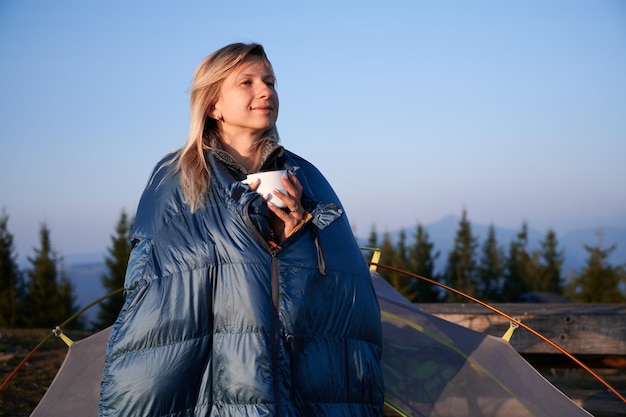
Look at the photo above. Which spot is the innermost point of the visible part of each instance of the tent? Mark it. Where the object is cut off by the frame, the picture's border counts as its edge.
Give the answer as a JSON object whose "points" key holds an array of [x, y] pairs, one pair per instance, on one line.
{"points": [[435, 368], [432, 368], [75, 390]]}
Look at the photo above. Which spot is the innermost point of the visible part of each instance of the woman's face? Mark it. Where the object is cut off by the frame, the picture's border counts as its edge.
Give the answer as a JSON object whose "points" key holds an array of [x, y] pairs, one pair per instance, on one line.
{"points": [[248, 103]]}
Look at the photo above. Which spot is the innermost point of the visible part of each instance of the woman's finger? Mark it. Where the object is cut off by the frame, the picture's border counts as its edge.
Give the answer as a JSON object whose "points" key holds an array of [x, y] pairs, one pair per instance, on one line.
{"points": [[292, 186], [255, 184], [292, 204]]}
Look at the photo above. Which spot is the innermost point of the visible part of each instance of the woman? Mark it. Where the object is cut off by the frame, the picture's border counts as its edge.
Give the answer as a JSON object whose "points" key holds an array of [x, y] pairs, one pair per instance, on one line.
{"points": [[235, 307]]}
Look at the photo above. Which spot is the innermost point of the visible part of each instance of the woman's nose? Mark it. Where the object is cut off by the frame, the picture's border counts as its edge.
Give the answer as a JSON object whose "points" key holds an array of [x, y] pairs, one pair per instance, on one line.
{"points": [[265, 91]]}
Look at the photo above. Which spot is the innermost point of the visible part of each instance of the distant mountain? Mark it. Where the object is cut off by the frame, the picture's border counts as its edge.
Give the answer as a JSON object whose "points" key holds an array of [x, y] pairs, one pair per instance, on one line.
{"points": [[85, 270], [86, 280]]}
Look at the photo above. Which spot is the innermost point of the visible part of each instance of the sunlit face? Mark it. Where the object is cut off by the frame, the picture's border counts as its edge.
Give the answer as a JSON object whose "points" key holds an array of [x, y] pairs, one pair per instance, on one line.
{"points": [[248, 103]]}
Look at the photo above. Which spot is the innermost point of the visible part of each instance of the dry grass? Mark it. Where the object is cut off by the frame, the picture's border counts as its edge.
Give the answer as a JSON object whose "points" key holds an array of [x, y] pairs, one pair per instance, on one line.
{"points": [[24, 391]]}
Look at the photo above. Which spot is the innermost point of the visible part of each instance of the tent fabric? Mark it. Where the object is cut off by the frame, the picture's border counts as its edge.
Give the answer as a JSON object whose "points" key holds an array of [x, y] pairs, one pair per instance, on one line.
{"points": [[75, 390], [432, 368], [435, 368]]}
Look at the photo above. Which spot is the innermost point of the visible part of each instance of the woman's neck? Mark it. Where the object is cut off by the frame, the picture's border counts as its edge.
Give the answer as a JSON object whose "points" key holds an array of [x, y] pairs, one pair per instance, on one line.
{"points": [[244, 151]]}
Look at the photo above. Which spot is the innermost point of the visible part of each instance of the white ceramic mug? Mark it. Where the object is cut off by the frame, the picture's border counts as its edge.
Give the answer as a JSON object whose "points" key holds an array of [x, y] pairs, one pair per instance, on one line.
{"points": [[270, 181]]}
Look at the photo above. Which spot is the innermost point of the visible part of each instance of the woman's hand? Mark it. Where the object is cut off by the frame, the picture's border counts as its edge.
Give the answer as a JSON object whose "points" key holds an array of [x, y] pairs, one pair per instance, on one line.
{"points": [[293, 214]]}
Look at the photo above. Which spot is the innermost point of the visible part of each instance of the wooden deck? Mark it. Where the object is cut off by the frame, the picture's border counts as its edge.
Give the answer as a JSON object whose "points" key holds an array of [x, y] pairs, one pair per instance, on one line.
{"points": [[595, 333], [581, 329]]}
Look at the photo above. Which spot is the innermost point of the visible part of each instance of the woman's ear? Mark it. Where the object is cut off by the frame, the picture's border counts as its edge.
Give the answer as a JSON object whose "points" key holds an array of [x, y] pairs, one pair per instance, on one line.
{"points": [[215, 114]]}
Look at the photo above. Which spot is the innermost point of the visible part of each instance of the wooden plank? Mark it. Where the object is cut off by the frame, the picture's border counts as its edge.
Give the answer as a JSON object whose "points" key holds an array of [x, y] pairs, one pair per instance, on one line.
{"points": [[598, 403], [589, 329]]}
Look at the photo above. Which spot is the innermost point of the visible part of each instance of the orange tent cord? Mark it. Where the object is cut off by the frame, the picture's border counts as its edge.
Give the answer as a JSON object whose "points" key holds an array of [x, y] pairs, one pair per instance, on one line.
{"points": [[391, 268], [45, 339], [17, 368], [512, 319]]}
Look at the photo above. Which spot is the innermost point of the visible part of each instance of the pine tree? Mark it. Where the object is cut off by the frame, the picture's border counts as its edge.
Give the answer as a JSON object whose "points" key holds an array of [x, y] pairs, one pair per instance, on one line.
{"points": [[49, 293], [405, 284], [388, 257], [116, 264], [372, 245], [461, 268], [422, 262], [550, 264], [599, 281], [67, 300], [10, 277], [515, 275], [491, 268]]}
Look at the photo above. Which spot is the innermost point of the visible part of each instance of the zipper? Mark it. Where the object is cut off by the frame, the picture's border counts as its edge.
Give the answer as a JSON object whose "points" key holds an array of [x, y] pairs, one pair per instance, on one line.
{"points": [[276, 330], [275, 284]]}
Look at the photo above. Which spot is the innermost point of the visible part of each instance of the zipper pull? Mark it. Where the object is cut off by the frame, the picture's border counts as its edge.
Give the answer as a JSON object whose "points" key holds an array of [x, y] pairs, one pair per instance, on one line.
{"points": [[274, 247]]}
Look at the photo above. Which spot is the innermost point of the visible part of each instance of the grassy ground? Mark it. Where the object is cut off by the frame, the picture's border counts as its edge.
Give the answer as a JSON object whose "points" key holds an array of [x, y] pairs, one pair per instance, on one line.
{"points": [[24, 391]]}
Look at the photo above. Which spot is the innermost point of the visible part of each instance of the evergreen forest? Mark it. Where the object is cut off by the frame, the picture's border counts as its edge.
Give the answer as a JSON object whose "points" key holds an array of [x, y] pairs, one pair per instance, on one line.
{"points": [[41, 295]]}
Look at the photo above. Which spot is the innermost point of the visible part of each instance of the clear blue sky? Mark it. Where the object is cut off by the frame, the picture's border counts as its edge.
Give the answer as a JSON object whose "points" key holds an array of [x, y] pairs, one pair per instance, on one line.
{"points": [[414, 110]]}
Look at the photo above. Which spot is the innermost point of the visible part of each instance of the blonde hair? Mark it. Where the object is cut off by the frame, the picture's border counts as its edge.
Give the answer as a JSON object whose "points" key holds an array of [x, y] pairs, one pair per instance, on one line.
{"points": [[205, 91]]}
